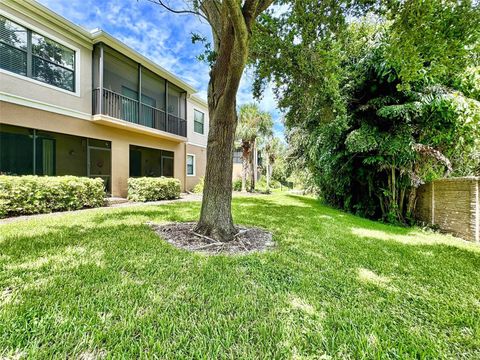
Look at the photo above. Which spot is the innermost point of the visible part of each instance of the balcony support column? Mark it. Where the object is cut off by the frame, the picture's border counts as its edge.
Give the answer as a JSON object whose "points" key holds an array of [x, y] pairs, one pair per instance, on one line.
{"points": [[100, 79], [184, 133], [140, 93], [166, 106]]}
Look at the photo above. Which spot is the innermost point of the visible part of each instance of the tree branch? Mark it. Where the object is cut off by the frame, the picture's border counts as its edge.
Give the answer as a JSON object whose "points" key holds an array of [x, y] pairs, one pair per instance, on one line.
{"points": [[212, 11], [250, 12], [437, 155], [238, 20], [253, 8], [262, 6], [175, 11]]}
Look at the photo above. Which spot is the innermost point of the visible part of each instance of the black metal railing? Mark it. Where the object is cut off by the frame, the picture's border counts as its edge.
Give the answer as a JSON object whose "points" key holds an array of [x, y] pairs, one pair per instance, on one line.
{"points": [[122, 107]]}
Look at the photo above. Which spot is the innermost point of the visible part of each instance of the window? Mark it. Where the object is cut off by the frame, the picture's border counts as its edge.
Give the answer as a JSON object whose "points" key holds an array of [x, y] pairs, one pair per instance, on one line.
{"points": [[237, 156], [16, 150], [36, 152], [27, 53], [13, 47], [167, 163], [191, 165], [198, 122], [150, 162]]}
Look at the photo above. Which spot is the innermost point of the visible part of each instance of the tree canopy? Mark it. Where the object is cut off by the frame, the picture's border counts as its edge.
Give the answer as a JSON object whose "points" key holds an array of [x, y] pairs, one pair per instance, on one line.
{"points": [[375, 104]]}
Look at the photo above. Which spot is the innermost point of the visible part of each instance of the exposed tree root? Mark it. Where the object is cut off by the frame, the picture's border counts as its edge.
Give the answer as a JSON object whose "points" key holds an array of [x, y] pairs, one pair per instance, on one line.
{"points": [[246, 240]]}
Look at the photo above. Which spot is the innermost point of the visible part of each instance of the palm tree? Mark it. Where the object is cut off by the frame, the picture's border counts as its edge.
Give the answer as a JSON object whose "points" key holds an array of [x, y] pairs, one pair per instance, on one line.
{"points": [[253, 123], [272, 149]]}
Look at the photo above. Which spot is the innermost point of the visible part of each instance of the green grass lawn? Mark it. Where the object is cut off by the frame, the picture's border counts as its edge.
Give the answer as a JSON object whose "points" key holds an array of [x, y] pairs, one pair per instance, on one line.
{"points": [[102, 284]]}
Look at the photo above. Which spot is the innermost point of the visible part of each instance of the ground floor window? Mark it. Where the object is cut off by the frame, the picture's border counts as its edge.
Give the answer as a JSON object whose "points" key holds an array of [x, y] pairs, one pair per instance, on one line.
{"points": [[150, 162], [191, 165], [237, 156], [26, 151]]}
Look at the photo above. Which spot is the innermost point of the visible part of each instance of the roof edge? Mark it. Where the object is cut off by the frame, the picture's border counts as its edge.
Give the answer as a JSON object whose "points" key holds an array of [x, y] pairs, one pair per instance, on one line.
{"points": [[66, 27], [88, 38], [199, 100], [98, 35]]}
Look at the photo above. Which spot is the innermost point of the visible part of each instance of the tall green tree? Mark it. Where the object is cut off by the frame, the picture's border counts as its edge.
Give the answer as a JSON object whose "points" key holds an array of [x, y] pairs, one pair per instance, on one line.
{"points": [[374, 108], [253, 124], [232, 23]]}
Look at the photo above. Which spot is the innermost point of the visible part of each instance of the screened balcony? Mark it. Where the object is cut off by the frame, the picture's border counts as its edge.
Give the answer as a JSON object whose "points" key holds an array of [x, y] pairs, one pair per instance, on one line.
{"points": [[125, 90]]}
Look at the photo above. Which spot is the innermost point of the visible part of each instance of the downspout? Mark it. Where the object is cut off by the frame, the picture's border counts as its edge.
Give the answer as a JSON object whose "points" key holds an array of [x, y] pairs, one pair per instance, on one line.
{"points": [[185, 167]]}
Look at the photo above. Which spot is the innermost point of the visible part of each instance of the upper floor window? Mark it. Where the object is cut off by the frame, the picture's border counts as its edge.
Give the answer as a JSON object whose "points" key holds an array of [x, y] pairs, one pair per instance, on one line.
{"points": [[198, 122], [24, 52]]}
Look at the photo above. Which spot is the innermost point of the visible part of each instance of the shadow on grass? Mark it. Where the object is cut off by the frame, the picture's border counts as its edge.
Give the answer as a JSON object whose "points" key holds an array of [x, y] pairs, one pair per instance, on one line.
{"points": [[108, 275]]}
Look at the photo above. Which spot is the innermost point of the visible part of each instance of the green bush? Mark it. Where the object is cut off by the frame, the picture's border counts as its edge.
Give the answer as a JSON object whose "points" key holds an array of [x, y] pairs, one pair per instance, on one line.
{"points": [[198, 189], [262, 184], [237, 184], [153, 188], [23, 195]]}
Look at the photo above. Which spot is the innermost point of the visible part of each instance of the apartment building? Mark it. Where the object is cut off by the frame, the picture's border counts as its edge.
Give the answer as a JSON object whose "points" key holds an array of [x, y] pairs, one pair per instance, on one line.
{"points": [[74, 102]]}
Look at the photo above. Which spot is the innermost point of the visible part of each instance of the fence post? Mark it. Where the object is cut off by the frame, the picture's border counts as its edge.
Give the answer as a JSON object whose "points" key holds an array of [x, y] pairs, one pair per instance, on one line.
{"points": [[477, 211], [433, 202]]}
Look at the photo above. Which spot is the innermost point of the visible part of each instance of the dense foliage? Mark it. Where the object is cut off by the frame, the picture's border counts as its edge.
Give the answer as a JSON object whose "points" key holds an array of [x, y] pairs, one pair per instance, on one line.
{"points": [[380, 104], [198, 188], [153, 188], [23, 195]]}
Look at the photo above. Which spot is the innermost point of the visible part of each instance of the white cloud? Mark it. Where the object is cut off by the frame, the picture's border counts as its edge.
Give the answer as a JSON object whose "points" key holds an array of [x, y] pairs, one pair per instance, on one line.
{"points": [[163, 37]]}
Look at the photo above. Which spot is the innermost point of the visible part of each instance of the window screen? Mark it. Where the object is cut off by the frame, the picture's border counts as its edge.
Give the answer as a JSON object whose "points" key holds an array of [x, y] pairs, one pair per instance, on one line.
{"points": [[198, 122]]}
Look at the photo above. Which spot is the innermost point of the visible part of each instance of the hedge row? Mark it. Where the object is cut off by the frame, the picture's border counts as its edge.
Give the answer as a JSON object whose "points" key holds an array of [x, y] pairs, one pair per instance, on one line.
{"points": [[153, 189], [23, 195]]}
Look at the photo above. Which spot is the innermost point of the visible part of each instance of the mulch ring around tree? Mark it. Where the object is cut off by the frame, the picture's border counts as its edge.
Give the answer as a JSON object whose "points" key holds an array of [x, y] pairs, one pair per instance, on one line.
{"points": [[247, 240]]}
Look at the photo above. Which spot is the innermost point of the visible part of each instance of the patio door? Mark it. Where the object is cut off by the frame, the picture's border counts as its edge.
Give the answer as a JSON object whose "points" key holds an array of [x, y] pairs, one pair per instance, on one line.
{"points": [[99, 161]]}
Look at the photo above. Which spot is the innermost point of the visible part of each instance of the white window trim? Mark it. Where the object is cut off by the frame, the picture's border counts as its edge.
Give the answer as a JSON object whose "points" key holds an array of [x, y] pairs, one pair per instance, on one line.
{"points": [[194, 122], [194, 165], [54, 38]]}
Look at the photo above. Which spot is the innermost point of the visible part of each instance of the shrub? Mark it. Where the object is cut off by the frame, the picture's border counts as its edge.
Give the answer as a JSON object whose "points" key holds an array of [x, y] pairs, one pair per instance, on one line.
{"points": [[23, 195], [237, 184], [262, 184], [198, 189], [153, 188]]}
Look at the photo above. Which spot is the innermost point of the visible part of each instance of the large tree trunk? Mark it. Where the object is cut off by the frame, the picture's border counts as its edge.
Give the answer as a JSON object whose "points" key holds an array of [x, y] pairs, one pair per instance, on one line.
{"points": [[216, 215], [231, 24]]}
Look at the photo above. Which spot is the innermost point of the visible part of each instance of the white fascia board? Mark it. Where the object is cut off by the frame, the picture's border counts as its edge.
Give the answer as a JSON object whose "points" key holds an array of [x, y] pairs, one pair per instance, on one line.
{"points": [[102, 36], [43, 14]]}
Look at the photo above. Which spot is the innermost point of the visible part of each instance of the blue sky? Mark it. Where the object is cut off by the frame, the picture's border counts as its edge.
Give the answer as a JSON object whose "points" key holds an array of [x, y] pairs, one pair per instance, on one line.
{"points": [[161, 36]]}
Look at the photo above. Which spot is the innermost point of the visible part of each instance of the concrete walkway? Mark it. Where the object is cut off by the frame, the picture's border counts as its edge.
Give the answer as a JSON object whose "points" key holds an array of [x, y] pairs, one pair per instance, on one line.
{"points": [[183, 198]]}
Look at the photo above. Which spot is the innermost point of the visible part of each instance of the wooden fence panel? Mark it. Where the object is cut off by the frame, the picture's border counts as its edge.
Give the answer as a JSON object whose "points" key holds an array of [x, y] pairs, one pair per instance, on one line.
{"points": [[453, 205]]}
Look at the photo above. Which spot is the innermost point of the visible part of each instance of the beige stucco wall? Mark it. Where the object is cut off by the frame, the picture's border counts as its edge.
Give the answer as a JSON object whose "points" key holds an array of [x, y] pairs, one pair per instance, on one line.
{"points": [[237, 171], [193, 137], [121, 139], [24, 87], [200, 165], [453, 205]]}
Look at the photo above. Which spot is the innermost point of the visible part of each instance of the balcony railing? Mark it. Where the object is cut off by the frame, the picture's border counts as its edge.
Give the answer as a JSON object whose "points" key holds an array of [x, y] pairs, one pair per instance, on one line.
{"points": [[122, 107]]}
